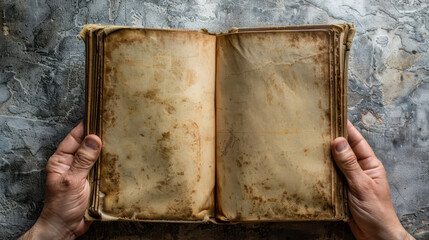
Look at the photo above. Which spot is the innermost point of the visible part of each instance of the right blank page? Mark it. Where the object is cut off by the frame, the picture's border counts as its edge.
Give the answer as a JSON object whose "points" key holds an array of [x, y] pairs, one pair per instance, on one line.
{"points": [[274, 126]]}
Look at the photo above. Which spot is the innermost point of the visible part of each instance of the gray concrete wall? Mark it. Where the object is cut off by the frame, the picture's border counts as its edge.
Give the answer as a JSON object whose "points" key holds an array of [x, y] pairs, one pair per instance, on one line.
{"points": [[42, 89]]}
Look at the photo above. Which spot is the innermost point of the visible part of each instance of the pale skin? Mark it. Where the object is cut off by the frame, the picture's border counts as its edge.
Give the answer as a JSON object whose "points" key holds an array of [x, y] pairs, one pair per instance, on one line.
{"points": [[67, 189]]}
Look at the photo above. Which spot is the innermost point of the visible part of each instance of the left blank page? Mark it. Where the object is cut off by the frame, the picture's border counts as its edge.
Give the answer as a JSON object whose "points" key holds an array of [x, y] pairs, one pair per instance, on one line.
{"points": [[158, 125]]}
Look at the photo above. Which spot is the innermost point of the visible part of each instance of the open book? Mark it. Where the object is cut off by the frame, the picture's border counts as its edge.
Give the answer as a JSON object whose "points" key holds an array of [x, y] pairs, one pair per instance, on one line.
{"points": [[234, 126]]}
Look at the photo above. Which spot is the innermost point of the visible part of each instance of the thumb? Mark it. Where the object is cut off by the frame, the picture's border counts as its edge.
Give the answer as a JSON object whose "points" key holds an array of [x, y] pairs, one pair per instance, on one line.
{"points": [[346, 159], [85, 156]]}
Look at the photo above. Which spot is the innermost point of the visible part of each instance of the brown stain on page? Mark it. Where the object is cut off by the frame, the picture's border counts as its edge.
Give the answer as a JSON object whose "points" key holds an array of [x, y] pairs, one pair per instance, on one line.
{"points": [[311, 75], [110, 182], [109, 116], [320, 198], [192, 129], [191, 77], [174, 179], [153, 96]]}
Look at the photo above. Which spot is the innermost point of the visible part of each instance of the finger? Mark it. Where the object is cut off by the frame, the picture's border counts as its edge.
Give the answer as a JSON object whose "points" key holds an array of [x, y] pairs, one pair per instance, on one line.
{"points": [[368, 164], [85, 156], [346, 160], [365, 156], [61, 160], [72, 141], [359, 145]]}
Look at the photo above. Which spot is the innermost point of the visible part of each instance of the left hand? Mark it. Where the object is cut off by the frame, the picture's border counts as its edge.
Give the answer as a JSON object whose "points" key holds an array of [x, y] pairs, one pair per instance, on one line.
{"points": [[67, 189]]}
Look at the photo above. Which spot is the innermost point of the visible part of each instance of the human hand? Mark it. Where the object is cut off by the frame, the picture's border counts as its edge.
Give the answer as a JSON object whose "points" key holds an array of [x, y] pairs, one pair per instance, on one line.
{"points": [[369, 195], [67, 189]]}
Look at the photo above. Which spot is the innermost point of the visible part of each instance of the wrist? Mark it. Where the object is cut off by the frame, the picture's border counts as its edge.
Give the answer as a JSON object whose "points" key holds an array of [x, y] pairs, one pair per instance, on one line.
{"points": [[400, 233], [406, 235], [46, 229]]}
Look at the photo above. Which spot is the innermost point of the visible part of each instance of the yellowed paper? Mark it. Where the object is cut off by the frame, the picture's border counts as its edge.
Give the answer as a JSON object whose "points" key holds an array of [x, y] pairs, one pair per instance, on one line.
{"points": [[280, 100], [158, 126], [274, 127]]}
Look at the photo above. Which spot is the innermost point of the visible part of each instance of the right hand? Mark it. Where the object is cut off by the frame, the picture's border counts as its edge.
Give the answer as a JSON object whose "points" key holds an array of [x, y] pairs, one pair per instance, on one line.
{"points": [[369, 195]]}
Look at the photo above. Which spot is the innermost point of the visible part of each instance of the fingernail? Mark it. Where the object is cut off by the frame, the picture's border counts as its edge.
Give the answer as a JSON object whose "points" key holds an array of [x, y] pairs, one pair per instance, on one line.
{"points": [[341, 146], [90, 143]]}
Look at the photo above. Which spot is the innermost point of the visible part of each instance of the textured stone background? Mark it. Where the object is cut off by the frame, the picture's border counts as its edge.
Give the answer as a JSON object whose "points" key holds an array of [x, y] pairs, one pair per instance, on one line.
{"points": [[42, 89]]}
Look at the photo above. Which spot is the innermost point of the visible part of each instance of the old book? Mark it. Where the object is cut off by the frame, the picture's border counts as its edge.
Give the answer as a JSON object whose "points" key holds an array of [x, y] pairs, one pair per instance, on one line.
{"points": [[228, 127]]}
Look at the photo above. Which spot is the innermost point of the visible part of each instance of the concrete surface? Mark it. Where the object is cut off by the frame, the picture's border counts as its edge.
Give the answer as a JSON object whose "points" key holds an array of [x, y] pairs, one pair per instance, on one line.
{"points": [[42, 89]]}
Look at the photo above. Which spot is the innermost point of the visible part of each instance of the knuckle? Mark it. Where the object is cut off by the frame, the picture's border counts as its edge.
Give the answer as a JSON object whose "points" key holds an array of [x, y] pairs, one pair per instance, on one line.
{"points": [[349, 161], [379, 163], [382, 169], [53, 160], [375, 160], [55, 164], [83, 159]]}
